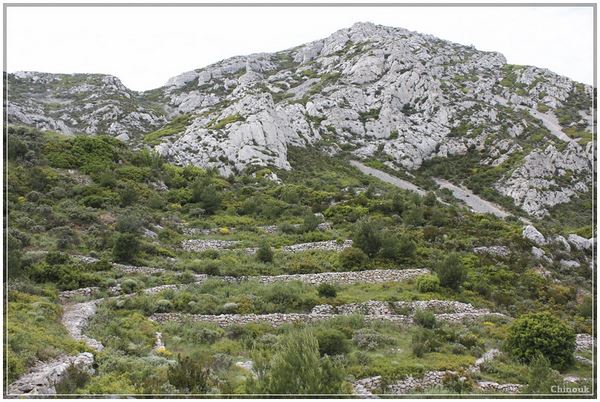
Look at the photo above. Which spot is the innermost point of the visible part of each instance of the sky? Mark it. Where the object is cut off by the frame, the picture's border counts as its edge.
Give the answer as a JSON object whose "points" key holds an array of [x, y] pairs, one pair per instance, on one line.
{"points": [[145, 46]]}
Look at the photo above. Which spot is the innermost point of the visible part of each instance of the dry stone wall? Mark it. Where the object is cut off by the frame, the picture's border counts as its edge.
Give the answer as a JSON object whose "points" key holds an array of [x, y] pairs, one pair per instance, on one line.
{"points": [[43, 378], [371, 311]]}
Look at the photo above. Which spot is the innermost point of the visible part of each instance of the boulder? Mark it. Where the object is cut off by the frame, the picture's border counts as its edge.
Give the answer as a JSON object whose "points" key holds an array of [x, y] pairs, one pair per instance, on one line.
{"points": [[532, 234]]}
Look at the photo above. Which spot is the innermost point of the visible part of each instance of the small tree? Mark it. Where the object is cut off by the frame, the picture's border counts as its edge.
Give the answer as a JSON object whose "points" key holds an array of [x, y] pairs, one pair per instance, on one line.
{"points": [[367, 237], [207, 196], [310, 223], [126, 247], [541, 376], [430, 199], [297, 368], [451, 272], [541, 333], [397, 248], [264, 252]]}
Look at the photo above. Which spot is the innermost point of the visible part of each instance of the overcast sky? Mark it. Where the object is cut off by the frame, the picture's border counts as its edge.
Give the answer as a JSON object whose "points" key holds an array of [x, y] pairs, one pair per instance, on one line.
{"points": [[146, 46]]}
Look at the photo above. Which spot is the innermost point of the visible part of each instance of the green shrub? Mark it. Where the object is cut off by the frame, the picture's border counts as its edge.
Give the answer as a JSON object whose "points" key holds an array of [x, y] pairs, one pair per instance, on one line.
{"points": [[424, 318], [451, 272], [397, 248], [541, 376], [326, 290], [129, 286], [310, 223], [424, 341], [126, 247], [211, 268], [458, 383], [264, 252], [332, 342], [207, 196], [189, 375], [541, 333], [163, 306], [352, 258], [367, 237], [428, 283], [297, 368]]}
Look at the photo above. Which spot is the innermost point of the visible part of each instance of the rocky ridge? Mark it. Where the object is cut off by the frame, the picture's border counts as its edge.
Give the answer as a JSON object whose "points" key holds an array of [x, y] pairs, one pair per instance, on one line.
{"points": [[388, 93]]}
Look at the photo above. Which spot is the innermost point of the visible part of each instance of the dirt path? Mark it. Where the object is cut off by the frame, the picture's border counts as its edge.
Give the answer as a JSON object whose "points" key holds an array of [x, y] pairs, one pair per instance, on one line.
{"points": [[476, 203], [403, 184]]}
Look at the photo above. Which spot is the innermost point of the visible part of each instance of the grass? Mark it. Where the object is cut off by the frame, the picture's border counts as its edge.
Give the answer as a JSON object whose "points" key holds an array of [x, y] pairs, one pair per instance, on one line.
{"points": [[219, 124], [174, 127]]}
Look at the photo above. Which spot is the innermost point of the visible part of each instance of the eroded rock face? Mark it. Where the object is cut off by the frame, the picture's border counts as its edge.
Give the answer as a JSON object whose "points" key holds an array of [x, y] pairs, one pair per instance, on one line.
{"points": [[79, 103], [383, 92]]}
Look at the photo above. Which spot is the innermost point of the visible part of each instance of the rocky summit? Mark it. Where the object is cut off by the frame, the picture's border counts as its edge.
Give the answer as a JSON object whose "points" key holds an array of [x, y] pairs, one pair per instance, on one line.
{"points": [[386, 94]]}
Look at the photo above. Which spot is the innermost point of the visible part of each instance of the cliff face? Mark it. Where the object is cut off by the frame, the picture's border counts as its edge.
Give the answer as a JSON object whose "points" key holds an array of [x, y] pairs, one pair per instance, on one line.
{"points": [[385, 93]]}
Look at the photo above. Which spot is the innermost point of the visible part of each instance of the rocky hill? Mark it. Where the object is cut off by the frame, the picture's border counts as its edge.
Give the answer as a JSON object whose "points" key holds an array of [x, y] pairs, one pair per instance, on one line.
{"points": [[384, 94]]}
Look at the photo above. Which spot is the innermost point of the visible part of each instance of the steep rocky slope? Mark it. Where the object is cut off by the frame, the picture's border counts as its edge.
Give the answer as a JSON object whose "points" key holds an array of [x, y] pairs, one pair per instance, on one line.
{"points": [[383, 93]]}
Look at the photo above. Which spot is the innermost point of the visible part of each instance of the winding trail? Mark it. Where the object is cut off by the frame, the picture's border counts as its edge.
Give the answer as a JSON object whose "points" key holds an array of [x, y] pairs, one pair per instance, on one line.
{"points": [[476, 203], [388, 178], [473, 201]]}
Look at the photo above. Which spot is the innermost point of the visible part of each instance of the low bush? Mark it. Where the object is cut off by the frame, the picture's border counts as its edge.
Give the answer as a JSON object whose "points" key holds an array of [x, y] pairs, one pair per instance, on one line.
{"points": [[428, 283], [353, 259], [332, 342], [326, 290], [370, 339], [425, 319]]}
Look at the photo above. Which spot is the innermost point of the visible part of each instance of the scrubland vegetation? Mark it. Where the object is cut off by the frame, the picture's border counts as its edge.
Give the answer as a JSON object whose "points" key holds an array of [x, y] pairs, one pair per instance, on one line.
{"points": [[93, 196]]}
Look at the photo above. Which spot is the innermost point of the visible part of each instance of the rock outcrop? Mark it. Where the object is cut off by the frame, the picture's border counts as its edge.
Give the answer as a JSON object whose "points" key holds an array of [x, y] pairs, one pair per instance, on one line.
{"points": [[384, 93]]}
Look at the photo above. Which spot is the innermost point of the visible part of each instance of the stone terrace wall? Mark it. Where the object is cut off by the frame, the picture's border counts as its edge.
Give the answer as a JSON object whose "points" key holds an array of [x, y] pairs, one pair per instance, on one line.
{"points": [[43, 378]]}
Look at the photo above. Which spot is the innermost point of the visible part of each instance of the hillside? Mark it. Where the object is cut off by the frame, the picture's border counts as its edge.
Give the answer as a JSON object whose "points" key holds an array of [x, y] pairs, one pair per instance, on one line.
{"points": [[388, 94], [377, 212]]}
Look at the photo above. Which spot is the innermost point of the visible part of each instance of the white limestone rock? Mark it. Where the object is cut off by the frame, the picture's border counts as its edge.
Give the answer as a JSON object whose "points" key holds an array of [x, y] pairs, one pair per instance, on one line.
{"points": [[532, 234]]}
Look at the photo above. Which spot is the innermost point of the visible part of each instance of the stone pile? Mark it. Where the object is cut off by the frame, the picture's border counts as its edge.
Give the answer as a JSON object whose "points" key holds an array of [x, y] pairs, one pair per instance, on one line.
{"points": [[365, 387], [272, 229], [410, 384], [43, 378], [499, 251], [132, 269], [438, 306], [199, 246], [584, 342], [328, 245], [503, 388], [345, 278], [159, 345], [444, 309]]}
